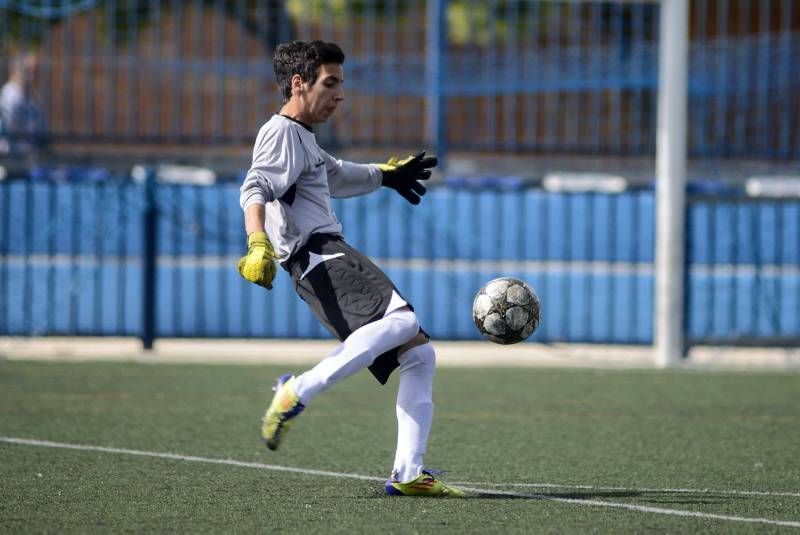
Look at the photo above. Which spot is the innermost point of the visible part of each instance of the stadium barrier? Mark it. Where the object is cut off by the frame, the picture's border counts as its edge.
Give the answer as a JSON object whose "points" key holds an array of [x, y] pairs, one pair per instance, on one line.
{"points": [[158, 260]]}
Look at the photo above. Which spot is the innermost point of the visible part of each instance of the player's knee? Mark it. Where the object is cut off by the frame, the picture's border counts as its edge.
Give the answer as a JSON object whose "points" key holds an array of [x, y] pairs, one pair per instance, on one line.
{"points": [[404, 322], [421, 358]]}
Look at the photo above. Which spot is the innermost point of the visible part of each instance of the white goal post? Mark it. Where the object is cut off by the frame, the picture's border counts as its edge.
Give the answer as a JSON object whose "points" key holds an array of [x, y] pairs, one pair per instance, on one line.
{"points": [[668, 316]]}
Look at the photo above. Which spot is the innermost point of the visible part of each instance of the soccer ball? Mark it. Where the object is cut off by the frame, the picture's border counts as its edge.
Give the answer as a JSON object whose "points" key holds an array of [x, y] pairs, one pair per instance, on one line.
{"points": [[506, 310]]}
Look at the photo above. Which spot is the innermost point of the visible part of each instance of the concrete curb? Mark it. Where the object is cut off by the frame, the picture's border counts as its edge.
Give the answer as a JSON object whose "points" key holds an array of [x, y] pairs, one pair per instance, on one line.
{"points": [[461, 354]]}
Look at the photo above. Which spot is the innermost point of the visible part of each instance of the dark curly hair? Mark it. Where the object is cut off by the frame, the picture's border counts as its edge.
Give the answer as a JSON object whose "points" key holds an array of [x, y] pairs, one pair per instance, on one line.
{"points": [[303, 58]]}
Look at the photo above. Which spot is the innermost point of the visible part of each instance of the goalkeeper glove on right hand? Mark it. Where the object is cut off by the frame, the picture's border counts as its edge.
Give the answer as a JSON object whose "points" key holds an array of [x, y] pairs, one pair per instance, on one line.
{"points": [[404, 175], [258, 266]]}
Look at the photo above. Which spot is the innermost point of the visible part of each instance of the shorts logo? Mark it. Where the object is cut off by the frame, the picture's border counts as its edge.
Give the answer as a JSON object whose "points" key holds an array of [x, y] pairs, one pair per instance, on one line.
{"points": [[315, 259]]}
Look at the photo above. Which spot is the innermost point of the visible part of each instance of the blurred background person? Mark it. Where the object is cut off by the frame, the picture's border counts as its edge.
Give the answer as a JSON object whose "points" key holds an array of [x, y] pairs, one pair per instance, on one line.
{"points": [[23, 128]]}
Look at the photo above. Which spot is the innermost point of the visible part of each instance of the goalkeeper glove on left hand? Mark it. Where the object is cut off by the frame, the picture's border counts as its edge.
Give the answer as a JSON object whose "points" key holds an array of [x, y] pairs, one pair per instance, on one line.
{"points": [[258, 266], [404, 175]]}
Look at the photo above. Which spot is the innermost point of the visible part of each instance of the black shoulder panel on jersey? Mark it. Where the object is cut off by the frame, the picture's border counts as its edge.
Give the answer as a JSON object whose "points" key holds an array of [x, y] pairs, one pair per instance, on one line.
{"points": [[288, 197]]}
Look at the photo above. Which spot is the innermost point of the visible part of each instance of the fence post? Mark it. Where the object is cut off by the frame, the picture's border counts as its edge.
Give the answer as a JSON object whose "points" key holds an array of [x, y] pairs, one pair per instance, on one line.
{"points": [[150, 250], [435, 76]]}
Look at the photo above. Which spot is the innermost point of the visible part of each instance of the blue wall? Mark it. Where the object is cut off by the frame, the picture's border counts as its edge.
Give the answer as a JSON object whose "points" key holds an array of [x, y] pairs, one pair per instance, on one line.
{"points": [[72, 262]]}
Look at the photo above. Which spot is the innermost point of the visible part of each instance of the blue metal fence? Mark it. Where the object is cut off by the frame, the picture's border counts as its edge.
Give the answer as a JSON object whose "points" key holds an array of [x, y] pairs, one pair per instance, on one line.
{"points": [[503, 75], [74, 258], [744, 271]]}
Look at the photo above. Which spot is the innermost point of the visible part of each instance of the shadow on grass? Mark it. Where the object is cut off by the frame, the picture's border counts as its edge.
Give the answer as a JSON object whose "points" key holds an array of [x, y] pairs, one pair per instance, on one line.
{"points": [[553, 495], [655, 498]]}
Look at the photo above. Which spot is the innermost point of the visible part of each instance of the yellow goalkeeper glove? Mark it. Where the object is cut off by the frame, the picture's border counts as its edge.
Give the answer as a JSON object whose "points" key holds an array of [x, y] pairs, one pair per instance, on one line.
{"points": [[405, 176], [258, 266]]}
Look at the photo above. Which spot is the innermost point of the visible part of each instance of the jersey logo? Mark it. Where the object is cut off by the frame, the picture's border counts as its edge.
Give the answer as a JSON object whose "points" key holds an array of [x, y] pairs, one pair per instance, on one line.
{"points": [[315, 259]]}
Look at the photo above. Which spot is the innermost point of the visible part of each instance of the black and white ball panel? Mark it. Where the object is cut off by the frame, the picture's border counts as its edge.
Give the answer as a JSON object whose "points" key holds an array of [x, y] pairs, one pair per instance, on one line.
{"points": [[506, 310]]}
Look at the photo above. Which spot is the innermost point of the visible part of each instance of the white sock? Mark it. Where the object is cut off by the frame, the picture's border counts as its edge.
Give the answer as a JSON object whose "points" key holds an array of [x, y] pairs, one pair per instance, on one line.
{"points": [[414, 410], [357, 352]]}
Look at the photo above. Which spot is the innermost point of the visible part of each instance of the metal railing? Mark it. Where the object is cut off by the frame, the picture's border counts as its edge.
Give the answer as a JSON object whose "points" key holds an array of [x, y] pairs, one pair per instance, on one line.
{"points": [[505, 75]]}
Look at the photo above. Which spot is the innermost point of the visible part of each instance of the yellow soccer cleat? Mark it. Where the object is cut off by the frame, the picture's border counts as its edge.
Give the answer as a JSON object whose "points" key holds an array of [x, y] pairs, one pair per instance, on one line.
{"points": [[285, 406], [427, 484]]}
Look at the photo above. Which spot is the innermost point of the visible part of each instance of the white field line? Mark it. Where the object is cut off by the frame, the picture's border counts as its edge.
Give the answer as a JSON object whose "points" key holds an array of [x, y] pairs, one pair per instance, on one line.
{"points": [[645, 508], [189, 458], [325, 473]]}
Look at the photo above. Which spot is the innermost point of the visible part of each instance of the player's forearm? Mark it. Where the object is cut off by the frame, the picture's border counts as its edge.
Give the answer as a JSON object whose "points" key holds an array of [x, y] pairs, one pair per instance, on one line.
{"points": [[254, 217]]}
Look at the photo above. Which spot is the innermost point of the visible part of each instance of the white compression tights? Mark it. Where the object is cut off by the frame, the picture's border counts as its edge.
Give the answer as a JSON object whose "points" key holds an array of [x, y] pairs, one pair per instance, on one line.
{"points": [[358, 351], [414, 393]]}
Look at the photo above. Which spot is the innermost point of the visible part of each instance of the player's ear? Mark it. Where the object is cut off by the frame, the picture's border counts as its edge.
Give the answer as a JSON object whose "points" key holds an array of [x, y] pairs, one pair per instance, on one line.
{"points": [[297, 83]]}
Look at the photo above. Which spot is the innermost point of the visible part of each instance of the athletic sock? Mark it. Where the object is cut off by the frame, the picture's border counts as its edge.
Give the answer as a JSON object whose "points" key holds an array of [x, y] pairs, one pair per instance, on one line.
{"points": [[414, 411]]}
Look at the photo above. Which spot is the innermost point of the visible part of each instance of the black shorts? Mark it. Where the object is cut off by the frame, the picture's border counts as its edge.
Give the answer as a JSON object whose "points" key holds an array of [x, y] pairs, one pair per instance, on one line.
{"points": [[344, 289]]}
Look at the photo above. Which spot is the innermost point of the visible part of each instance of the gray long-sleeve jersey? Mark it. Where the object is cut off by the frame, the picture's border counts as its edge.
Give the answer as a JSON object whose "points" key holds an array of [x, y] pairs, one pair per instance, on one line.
{"points": [[296, 179]]}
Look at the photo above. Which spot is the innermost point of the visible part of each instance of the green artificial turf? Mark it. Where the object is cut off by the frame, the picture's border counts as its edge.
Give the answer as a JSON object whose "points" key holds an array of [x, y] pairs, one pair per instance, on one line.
{"points": [[548, 451]]}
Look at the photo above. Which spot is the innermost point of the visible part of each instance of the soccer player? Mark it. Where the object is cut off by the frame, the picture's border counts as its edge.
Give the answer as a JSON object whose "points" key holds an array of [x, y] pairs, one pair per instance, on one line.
{"points": [[288, 217]]}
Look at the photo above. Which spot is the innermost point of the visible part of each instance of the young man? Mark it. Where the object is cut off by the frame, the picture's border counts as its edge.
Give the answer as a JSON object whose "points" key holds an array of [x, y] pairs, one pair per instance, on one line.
{"points": [[287, 193]]}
